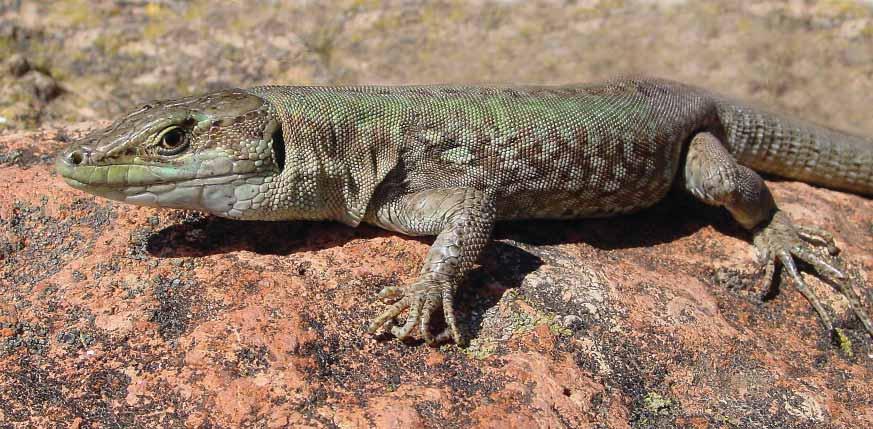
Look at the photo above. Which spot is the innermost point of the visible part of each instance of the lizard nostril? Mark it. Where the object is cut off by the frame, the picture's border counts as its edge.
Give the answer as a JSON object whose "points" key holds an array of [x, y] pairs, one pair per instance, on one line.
{"points": [[75, 157]]}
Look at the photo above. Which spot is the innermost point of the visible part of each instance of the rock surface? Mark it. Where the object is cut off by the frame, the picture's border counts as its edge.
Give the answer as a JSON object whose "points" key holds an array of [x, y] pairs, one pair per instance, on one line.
{"points": [[117, 316], [114, 315]]}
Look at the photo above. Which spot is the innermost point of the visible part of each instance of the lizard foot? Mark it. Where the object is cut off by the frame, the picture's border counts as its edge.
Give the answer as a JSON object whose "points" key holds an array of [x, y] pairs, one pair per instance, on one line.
{"points": [[423, 299], [781, 240]]}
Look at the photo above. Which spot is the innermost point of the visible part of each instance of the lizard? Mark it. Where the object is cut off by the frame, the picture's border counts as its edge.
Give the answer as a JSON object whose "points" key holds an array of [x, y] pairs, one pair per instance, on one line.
{"points": [[450, 161]]}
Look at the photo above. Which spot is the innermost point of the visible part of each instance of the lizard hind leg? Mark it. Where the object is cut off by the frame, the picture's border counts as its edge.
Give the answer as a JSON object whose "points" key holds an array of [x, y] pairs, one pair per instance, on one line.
{"points": [[713, 176]]}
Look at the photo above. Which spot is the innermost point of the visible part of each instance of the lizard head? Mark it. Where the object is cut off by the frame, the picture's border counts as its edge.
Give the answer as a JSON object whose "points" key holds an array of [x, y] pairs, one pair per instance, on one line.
{"points": [[211, 153]]}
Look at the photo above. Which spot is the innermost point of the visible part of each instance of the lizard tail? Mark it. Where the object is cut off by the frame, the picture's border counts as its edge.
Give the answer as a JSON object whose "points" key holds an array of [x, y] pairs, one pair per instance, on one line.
{"points": [[798, 150]]}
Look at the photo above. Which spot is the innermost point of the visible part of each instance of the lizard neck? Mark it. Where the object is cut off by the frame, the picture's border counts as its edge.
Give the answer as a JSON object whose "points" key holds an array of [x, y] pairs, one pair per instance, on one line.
{"points": [[332, 161]]}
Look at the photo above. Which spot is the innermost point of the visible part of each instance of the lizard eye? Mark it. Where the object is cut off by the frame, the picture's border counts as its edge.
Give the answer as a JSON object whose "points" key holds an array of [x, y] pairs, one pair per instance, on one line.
{"points": [[172, 142]]}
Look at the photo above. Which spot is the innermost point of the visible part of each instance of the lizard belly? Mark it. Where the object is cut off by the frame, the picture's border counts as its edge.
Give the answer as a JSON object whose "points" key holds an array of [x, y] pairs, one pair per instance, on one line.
{"points": [[576, 205]]}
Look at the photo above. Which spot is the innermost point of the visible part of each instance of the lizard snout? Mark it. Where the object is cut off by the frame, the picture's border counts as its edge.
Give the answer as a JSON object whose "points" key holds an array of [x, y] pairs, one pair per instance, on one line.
{"points": [[72, 157], [78, 154]]}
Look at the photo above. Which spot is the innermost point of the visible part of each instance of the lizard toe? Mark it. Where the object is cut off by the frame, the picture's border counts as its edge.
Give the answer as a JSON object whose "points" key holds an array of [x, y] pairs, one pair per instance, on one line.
{"points": [[817, 237], [449, 313], [388, 315], [412, 318], [822, 267], [432, 304], [424, 326]]}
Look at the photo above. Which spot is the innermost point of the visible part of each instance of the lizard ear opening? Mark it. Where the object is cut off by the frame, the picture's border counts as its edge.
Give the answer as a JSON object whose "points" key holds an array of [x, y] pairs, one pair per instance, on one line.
{"points": [[279, 148]]}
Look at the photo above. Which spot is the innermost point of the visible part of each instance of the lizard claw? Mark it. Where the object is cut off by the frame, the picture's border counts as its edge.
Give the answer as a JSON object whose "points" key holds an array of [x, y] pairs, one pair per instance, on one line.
{"points": [[390, 294], [780, 240], [817, 237], [422, 299]]}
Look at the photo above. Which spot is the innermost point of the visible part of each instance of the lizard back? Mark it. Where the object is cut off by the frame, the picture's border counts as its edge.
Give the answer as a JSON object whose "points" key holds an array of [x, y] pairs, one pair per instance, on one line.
{"points": [[544, 152]]}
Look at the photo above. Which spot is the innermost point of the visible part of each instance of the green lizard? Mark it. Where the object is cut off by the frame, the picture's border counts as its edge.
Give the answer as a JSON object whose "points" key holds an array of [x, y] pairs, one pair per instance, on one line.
{"points": [[450, 161]]}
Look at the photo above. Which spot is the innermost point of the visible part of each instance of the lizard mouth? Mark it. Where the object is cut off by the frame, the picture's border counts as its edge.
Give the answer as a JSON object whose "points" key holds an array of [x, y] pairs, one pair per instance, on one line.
{"points": [[111, 193], [162, 186], [120, 175]]}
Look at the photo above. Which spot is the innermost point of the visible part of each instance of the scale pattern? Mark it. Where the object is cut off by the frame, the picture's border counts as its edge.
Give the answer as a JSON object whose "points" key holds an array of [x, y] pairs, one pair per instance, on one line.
{"points": [[546, 152]]}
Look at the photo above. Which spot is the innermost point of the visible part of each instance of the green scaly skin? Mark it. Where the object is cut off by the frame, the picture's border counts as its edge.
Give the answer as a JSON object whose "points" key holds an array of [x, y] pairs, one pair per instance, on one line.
{"points": [[450, 161]]}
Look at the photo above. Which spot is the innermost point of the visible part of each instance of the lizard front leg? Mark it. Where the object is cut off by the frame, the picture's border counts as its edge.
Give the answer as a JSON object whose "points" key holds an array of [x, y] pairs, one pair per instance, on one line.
{"points": [[462, 219], [713, 176]]}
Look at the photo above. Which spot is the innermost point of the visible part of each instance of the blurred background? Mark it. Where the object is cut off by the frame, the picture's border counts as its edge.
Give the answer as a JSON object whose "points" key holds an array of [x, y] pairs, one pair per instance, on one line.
{"points": [[67, 61]]}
